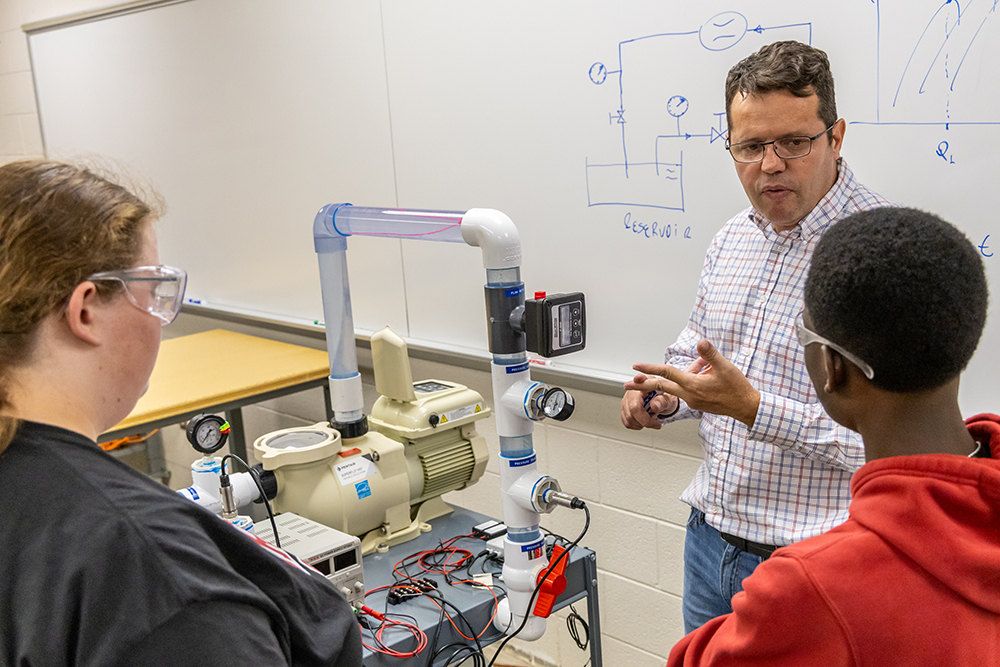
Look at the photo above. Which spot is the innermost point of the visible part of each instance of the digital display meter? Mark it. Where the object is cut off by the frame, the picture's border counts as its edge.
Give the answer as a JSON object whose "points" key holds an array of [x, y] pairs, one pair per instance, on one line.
{"points": [[429, 387], [556, 324], [335, 554]]}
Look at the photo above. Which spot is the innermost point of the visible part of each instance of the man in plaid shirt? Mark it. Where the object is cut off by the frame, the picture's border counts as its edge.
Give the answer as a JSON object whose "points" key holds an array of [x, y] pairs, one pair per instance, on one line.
{"points": [[777, 469]]}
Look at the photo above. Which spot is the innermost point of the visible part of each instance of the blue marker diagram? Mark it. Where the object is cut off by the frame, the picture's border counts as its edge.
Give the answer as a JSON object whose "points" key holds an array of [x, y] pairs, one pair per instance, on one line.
{"points": [[938, 73], [656, 120]]}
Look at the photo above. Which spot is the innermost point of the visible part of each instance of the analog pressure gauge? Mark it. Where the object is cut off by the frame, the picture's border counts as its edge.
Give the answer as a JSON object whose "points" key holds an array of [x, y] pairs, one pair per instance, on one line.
{"points": [[207, 433], [557, 404]]}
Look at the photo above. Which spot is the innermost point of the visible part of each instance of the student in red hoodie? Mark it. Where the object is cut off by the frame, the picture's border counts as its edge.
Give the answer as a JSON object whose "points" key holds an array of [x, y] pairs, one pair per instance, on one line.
{"points": [[895, 303]]}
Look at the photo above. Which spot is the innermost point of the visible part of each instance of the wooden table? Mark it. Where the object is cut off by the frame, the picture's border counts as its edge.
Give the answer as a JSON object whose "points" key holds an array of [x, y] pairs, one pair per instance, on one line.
{"points": [[221, 371]]}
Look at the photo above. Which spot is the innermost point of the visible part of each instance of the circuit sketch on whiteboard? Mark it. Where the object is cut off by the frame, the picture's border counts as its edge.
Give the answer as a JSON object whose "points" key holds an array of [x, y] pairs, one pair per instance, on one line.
{"points": [[657, 117]]}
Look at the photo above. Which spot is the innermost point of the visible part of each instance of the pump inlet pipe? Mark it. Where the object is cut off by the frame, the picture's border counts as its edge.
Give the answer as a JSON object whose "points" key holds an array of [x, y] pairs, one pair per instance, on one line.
{"points": [[526, 492]]}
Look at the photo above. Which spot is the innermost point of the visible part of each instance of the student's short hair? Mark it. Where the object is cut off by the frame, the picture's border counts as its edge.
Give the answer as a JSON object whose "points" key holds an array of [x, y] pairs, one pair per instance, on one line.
{"points": [[800, 69], [902, 289]]}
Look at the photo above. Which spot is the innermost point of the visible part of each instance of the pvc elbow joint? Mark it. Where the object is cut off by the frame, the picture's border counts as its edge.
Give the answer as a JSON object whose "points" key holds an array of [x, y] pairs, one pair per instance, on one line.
{"points": [[496, 234]]}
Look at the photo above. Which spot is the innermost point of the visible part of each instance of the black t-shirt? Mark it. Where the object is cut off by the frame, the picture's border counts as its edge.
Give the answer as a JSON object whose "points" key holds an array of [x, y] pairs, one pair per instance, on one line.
{"points": [[100, 565]]}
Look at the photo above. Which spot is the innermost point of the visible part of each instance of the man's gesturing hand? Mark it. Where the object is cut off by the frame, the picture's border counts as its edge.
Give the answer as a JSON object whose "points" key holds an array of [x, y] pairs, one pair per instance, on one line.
{"points": [[711, 384], [636, 417], [638, 413]]}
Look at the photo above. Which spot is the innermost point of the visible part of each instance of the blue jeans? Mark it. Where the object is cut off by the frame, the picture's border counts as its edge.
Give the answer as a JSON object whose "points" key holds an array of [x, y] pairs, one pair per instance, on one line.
{"points": [[714, 571]]}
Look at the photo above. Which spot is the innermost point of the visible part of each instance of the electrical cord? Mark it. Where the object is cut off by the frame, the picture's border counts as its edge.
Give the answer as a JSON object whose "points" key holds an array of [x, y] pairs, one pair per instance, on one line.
{"points": [[488, 557], [430, 561], [447, 561], [386, 622], [462, 652], [538, 588], [419, 588], [411, 590], [556, 538], [576, 624], [475, 637], [437, 634], [224, 481]]}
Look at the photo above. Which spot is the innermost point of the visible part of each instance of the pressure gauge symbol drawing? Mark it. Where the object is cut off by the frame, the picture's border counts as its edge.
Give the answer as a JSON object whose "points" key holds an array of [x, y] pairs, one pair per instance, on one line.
{"points": [[557, 404], [677, 106], [207, 433]]}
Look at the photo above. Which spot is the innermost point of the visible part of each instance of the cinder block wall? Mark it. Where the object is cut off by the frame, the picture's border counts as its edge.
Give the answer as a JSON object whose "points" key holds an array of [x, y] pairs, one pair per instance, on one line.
{"points": [[20, 135], [631, 481]]}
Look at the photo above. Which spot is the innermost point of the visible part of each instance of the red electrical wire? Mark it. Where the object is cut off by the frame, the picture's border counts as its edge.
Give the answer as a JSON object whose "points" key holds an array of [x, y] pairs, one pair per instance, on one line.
{"points": [[488, 623], [436, 568], [416, 632], [421, 559]]}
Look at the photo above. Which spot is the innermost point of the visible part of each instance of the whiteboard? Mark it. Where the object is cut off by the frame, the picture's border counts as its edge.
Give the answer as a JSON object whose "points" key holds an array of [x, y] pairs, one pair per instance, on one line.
{"points": [[596, 126], [246, 117]]}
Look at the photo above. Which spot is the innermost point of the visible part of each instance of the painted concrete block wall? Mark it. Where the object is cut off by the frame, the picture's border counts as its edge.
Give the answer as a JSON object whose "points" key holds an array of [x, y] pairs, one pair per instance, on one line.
{"points": [[20, 133]]}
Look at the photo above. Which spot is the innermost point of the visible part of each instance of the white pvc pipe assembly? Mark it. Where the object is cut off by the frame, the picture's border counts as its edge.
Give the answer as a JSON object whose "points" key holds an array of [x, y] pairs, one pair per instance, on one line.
{"points": [[494, 233], [204, 489]]}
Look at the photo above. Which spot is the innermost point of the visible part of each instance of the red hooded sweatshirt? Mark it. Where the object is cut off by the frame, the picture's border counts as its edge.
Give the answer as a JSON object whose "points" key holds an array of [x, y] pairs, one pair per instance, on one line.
{"points": [[911, 578]]}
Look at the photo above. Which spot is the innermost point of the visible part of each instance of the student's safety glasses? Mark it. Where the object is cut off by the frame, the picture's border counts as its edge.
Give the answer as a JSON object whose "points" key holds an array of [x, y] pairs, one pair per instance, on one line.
{"points": [[158, 290], [808, 337]]}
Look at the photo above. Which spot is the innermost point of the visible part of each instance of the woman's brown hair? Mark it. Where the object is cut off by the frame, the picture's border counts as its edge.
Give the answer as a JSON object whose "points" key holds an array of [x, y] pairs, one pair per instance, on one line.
{"points": [[59, 223]]}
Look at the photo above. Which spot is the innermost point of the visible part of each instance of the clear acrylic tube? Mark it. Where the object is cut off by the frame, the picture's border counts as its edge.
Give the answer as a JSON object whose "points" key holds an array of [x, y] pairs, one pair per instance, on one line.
{"points": [[399, 223], [337, 314], [340, 334]]}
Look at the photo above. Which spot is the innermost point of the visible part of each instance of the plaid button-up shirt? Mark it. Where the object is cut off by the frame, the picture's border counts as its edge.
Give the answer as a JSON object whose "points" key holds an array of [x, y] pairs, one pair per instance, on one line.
{"points": [[786, 478]]}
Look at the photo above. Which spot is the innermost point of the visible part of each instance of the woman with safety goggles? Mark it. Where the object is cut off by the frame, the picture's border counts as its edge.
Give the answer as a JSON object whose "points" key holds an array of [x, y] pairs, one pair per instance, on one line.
{"points": [[99, 565]]}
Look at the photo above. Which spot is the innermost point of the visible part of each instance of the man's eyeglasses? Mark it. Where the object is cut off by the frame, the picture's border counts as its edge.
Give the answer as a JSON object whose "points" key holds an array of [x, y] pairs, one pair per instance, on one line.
{"points": [[158, 290], [786, 148], [808, 337]]}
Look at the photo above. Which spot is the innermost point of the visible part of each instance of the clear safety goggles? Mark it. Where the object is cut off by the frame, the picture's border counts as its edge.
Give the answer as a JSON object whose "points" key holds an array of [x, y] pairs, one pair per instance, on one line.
{"points": [[807, 336], [158, 290]]}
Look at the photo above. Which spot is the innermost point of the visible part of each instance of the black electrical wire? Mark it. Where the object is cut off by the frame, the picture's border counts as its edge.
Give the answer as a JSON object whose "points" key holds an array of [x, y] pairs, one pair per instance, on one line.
{"points": [[260, 488], [431, 648], [477, 651], [575, 624], [461, 616], [462, 651], [437, 595], [552, 566], [379, 644], [488, 557], [438, 560], [557, 538]]}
